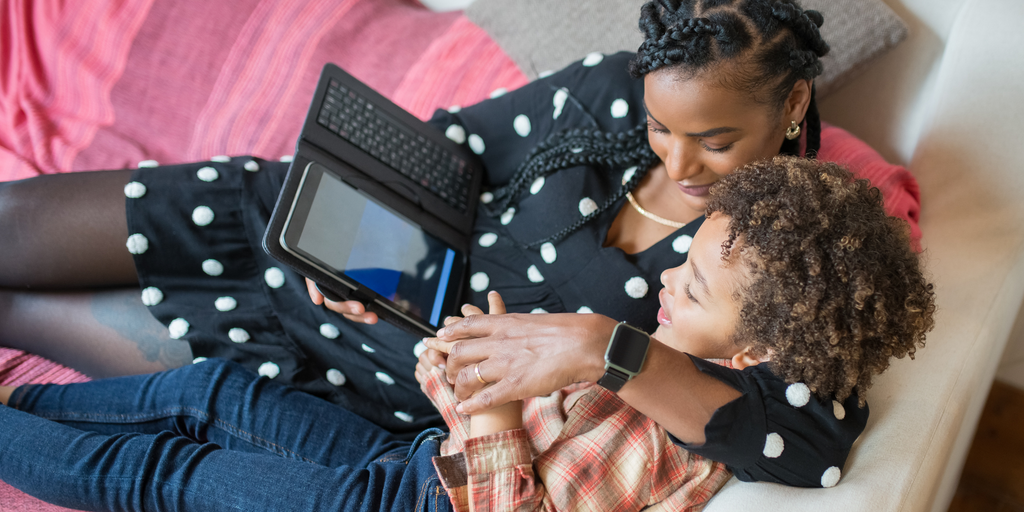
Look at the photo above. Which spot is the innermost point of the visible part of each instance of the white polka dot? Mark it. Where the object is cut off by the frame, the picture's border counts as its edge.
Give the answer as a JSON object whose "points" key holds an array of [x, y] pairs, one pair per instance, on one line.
{"points": [[152, 296], [584, 310], [486, 197], [137, 244], [148, 163], [419, 348], [576, 150], [620, 108], [537, 185], [202, 215], [213, 267], [454, 109], [221, 158], [548, 253], [178, 328], [329, 331], [538, 311], [404, 416], [831, 477], [429, 272], [593, 59], [225, 303], [488, 239], [368, 349], [636, 287], [238, 335], [274, 277], [286, 159], [269, 370], [533, 273], [507, 216], [838, 410], [456, 133], [521, 124], [499, 92], [587, 206], [336, 378], [198, 360], [798, 394], [251, 166], [545, 74], [628, 175], [773, 446], [208, 174], [682, 244], [134, 190], [385, 378], [479, 282], [476, 144], [559, 101]]}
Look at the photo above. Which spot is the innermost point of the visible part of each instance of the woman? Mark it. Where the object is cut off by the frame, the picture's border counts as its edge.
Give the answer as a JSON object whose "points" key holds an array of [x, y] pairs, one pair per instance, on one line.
{"points": [[724, 85]]}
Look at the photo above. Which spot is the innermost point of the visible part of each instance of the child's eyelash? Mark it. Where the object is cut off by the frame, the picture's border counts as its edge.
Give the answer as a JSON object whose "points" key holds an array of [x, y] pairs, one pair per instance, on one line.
{"points": [[690, 295]]}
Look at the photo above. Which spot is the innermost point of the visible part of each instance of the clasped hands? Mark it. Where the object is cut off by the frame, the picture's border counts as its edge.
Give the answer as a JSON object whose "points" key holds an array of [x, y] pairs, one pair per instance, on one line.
{"points": [[499, 358]]}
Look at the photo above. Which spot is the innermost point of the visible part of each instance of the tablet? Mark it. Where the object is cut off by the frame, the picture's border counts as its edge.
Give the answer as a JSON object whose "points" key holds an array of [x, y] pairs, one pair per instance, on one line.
{"points": [[370, 252]]}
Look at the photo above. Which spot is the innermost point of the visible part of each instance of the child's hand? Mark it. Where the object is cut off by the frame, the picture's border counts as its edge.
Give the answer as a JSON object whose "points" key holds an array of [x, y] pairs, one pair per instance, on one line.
{"points": [[431, 358]]}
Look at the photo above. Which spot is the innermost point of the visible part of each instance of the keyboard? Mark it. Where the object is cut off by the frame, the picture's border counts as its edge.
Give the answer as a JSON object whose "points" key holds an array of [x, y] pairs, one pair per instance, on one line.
{"points": [[355, 119]]}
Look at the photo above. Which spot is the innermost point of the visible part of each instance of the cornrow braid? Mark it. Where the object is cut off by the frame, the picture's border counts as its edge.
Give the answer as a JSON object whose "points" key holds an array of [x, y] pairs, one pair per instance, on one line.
{"points": [[576, 147]]}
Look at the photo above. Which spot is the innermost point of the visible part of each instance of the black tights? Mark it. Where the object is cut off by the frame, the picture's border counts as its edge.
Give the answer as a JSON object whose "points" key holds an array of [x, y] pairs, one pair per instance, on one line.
{"points": [[68, 287]]}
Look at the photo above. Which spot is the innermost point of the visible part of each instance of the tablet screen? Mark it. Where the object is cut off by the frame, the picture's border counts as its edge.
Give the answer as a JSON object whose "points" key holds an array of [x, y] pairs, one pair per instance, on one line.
{"points": [[359, 238]]}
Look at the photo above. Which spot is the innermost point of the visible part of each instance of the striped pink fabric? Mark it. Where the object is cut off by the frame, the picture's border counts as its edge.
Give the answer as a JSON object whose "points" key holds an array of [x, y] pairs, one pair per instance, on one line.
{"points": [[59, 61]]}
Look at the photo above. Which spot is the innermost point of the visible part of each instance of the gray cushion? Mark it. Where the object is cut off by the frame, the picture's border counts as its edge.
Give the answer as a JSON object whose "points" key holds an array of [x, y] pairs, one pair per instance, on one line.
{"points": [[542, 35]]}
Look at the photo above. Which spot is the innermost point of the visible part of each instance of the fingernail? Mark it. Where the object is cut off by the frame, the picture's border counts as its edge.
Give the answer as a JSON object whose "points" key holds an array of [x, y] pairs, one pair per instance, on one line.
{"points": [[459, 409], [442, 366]]}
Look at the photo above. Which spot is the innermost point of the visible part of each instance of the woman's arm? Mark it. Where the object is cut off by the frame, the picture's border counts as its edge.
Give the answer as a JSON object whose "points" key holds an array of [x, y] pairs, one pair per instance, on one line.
{"points": [[533, 355]]}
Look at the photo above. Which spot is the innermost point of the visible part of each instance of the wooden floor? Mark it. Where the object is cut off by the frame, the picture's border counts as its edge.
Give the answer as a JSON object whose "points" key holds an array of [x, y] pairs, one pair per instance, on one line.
{"points": [[993, 476]]}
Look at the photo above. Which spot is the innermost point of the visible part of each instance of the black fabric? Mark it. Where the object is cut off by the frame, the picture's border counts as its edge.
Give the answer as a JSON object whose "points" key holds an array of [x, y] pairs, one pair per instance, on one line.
{"points": [[285, 327], [814, 437]]}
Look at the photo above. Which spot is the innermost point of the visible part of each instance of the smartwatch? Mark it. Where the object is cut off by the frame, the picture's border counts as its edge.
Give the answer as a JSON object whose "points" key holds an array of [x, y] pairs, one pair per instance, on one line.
{"points": [[627, 350]]}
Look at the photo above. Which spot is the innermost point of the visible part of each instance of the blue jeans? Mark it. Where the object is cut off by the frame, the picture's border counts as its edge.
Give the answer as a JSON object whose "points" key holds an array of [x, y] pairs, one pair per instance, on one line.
{"points": [[211, 436]]}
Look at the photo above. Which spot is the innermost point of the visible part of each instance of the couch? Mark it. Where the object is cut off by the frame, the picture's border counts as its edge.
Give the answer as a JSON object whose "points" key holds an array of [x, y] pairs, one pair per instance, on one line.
{"points": [[945, 103]]}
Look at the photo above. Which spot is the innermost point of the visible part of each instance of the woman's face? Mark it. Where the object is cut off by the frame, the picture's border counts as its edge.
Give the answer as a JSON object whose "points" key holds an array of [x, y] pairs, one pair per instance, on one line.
{"points": [[700, 303], [702, 131]]}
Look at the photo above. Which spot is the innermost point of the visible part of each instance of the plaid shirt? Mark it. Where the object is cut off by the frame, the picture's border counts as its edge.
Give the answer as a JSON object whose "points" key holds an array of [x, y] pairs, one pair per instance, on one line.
{"points": [[580, 448]]}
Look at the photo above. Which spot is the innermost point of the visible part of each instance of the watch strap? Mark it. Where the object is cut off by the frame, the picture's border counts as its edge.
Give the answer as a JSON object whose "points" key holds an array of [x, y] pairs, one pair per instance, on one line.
{"points": [[613, 379]]}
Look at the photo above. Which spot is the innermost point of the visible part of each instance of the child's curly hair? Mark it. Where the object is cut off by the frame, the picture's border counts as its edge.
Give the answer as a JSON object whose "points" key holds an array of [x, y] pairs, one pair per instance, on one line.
{"points": [[836, 290]]}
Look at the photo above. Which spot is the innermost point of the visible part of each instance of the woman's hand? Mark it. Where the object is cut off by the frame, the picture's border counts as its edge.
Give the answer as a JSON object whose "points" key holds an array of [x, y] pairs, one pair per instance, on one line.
{"points": [[351, 309], [522, 355]]}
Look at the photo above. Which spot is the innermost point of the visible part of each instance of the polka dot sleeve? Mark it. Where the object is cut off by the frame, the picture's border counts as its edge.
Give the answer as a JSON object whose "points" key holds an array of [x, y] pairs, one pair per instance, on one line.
{"points": [[778, 432], [594, 93]]}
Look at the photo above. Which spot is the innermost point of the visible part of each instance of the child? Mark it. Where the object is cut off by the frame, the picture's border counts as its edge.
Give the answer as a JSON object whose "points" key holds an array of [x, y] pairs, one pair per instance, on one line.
{"points": [[797, 278]]}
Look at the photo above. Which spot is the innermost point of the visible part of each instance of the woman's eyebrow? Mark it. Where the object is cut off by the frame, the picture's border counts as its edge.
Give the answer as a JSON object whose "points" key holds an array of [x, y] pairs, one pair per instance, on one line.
{"points": [[706, 133]]}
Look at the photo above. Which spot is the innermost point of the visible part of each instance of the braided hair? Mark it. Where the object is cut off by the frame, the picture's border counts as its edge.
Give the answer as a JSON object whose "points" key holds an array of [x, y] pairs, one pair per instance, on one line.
{"points": [[775, 41]]}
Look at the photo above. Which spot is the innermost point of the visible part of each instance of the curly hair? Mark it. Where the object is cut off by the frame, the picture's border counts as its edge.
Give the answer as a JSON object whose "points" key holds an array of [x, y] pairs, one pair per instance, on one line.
{"points": [[836, 291]]}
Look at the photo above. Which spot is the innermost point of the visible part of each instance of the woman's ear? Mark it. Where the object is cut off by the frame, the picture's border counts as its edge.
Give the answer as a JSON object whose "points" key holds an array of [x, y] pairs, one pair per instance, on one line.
{"points": [[743, 359], [798, 102]]}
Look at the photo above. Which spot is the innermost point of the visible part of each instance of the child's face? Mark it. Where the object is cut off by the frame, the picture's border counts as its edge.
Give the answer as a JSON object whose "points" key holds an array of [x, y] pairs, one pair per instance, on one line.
{"points": [[700, 304]]}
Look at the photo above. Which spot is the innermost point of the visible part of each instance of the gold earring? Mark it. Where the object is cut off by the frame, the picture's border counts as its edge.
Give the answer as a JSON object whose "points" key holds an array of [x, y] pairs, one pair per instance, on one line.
{"points": [[793, 131]]}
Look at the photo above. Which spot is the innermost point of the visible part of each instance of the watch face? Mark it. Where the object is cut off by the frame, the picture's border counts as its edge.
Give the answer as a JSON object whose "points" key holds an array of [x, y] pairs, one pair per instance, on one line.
{"points": [[628, 348]]}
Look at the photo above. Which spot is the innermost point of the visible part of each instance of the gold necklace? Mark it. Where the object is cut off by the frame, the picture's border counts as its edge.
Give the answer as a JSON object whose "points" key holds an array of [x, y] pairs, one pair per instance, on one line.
{"points": [[649, 215]]}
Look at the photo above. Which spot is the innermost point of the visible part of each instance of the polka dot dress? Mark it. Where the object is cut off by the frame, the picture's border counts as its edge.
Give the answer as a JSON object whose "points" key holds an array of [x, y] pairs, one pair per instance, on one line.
{"points": [[196, 232], [780, 432]]}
